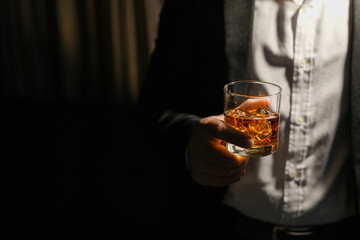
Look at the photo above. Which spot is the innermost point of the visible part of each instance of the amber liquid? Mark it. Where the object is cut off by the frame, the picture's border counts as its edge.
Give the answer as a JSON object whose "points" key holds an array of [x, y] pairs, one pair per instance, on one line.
{"points": [[261, 125]]}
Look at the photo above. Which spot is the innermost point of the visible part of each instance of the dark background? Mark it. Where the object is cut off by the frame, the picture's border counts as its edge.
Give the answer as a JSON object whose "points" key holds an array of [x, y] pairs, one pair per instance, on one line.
{"points": [[74, 155]]}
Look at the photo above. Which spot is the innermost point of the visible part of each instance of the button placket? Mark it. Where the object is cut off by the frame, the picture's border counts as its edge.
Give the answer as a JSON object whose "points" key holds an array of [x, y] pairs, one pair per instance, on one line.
{"points": [[300, 110]]}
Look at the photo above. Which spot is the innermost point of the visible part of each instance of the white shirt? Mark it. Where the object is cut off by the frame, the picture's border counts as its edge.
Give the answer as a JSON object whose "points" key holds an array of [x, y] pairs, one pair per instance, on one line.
{"points": [[303, 46]]}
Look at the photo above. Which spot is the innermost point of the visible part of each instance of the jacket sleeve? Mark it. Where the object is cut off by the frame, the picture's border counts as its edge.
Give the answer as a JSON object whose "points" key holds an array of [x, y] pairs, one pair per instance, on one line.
{"points": [[167, 95]]}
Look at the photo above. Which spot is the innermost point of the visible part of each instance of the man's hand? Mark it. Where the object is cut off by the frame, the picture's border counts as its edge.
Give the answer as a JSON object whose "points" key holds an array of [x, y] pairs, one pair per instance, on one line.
{"points": [[210, 163]]}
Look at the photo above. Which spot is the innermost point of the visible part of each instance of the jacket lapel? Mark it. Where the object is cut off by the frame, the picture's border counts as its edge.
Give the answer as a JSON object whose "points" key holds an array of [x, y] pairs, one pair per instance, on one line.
{"points": [[355, 93], [238, 16]]}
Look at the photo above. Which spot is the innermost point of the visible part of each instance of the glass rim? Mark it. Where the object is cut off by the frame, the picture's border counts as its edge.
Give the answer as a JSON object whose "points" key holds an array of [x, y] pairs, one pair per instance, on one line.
{"points": [[226, 89]]}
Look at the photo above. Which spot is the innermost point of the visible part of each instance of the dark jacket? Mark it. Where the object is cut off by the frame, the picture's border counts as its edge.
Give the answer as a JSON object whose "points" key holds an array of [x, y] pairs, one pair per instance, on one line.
{"points": [[200, 45]]}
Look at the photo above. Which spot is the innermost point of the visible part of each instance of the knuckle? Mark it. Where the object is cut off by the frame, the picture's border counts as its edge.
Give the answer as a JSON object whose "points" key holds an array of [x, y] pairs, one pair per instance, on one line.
{"points": [[212, 124], [205, 122], [231, 172]]}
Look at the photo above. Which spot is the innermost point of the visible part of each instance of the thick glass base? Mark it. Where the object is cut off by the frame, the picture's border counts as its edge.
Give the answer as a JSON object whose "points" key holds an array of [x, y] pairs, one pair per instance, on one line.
{"points": [[252, 152]]}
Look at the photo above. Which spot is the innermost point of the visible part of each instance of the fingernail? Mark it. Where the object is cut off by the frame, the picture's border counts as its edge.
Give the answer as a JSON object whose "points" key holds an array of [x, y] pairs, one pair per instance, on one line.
{"points": [[251, 142]]}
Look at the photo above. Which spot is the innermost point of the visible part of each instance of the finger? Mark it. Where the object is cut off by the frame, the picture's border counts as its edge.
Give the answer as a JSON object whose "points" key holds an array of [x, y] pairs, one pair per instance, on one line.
{"points": [[254, 104], [220, 130], [220, 157]]}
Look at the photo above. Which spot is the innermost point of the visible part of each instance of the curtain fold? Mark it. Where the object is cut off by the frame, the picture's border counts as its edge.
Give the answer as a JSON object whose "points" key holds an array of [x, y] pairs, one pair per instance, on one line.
{"points": [[92, 51], [69, 77]]}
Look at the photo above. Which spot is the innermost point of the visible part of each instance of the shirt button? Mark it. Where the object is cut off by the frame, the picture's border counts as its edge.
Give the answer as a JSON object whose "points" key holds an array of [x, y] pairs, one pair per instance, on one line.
{"points": [[305, 8], [293, 173], [303, 63], [299, 120]]}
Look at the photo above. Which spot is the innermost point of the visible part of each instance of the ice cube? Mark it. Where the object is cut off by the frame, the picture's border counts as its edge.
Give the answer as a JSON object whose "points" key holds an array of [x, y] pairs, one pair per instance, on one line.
{"points": [[262, 112], [260, 130], [238, 113]]}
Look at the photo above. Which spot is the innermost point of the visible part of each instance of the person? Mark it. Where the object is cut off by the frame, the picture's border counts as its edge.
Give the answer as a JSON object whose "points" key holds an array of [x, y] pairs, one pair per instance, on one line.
{"points": [[309, 188]]}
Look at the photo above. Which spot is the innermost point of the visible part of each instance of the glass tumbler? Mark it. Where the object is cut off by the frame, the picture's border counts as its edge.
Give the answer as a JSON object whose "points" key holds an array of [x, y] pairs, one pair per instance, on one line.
{"points": [[252, 107]]}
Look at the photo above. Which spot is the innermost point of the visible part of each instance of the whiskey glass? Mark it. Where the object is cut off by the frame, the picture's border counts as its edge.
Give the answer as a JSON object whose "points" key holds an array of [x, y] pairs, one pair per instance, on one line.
{"points": [[252, 107]]}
